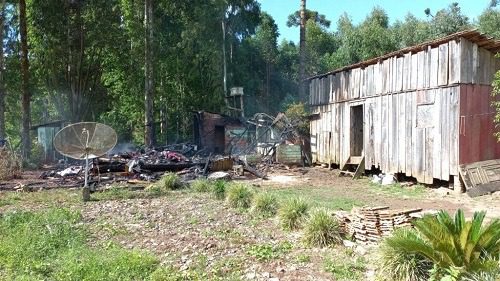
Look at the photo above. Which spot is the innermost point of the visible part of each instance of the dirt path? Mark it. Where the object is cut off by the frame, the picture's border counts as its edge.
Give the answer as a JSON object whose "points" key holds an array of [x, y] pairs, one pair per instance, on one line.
{"points": [[327, 183]]}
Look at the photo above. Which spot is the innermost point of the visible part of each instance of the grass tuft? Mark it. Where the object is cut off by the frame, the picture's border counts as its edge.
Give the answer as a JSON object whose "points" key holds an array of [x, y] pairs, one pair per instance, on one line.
{"points": [[201, 185], [166, 183], [265, 204], [292, 213], [398, 264], [321, 229], [219, 189], [239, 196]]}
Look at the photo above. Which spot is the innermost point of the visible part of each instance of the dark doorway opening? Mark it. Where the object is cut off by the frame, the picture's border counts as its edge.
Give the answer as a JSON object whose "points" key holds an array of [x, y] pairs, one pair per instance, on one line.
{"points": [[219, 136], [357, 130]]}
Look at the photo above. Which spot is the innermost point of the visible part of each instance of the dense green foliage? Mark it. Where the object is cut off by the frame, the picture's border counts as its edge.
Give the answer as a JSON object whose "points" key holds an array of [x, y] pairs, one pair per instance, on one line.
{"points": [[87, 57], [456, 247]]}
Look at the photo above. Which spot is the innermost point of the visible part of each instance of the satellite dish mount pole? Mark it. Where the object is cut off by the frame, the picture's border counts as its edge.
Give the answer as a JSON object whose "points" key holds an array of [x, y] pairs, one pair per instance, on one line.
{"points": [[86, 190]]}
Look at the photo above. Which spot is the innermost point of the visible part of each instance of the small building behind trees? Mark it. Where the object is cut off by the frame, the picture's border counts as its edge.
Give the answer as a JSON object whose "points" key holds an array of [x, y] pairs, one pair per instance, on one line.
{"points": [[423, 111]]}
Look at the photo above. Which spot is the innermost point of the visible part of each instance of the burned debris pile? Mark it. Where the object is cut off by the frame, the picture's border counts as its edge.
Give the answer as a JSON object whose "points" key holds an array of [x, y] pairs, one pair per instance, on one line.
{"points": [[223, 148]]}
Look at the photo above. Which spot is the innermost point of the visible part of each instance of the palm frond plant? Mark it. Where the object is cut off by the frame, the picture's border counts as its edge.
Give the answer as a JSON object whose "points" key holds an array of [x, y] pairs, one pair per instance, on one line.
{"points": [[453, 243]]}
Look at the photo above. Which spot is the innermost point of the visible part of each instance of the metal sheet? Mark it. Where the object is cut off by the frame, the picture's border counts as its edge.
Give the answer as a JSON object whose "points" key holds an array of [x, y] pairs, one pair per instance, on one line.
{"points": [[477, 141]]}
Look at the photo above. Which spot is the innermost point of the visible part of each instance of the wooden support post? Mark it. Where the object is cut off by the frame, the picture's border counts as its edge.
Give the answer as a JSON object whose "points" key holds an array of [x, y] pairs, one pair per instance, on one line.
{"points": [[458, 186]]}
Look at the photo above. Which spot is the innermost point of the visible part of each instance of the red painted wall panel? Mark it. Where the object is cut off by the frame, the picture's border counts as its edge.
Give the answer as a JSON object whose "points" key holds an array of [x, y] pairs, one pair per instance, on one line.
{"points": [[476, 126]]}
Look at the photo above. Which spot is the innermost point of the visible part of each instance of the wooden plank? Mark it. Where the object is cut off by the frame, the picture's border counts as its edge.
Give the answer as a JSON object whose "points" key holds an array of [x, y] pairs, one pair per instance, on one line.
{"points": [[406, 71], [454, 61], [421, 69], [400, 74], [475, 76], [485, 60], [395, 135], [356, 83], [379, 83], [428, 162], [454, 130], [370, 140], [414, 71], [436, 133], [401, 132], [377, 138], [433, 71], [445, 134], [443, 65], [427, 67], [384, 141], [409, 129], [391, 137], [416, 141], [383, 76], [465, 61]]}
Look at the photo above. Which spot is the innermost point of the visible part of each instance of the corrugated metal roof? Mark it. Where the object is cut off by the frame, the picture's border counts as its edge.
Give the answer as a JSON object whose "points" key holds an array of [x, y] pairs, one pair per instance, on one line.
{"points": [[482, 40]]}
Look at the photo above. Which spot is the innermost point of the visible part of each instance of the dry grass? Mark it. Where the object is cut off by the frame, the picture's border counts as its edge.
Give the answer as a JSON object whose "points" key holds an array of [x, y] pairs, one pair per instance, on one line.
{"points": [[10, 165]]}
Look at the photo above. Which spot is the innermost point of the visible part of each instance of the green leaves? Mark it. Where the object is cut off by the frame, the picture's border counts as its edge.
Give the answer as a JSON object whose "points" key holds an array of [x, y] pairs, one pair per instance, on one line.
{"points": [[455, 246]]}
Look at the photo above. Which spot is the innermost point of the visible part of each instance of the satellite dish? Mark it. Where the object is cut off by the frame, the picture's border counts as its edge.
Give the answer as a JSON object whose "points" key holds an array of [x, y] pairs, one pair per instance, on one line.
{"points": [[85, 140]]}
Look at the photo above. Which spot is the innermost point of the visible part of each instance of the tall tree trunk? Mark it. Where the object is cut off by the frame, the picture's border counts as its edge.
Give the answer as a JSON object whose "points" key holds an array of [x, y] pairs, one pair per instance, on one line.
{"points": [[268, 82], [302, 55], [224, 88], [26, 95], [149, 140], [2, 86]]}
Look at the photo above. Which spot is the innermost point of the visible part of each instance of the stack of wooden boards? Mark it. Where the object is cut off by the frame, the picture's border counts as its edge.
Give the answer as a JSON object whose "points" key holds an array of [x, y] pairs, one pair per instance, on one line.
{"points": [[368, 225]]}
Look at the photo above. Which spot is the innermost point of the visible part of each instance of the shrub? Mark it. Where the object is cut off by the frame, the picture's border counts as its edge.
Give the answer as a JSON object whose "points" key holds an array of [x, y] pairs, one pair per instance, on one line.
{"points": [[292, 213], [239, 196], [321, 229], [398, 264], [455, 247], [219, 189], [201, 185], [167, 182], [10, 165], [265, 204]]}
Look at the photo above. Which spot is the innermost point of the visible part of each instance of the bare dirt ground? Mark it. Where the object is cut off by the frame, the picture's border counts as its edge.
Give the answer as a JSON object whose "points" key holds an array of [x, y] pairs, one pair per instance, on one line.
{"points": [[327, 182]]}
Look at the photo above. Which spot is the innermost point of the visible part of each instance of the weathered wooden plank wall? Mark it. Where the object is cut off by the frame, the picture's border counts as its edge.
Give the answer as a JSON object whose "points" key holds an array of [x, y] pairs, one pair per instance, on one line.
{"points": [[412, 105]]}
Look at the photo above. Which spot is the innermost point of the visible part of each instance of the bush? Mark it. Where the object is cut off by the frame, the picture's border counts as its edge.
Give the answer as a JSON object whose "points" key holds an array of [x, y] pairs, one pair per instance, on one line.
{"points": [[398, 264], [239, 196], [321, 229], [219, 189], [265, 204], [10, 165], [455, 247], [292, 213], [167, 182], [201, 185]]}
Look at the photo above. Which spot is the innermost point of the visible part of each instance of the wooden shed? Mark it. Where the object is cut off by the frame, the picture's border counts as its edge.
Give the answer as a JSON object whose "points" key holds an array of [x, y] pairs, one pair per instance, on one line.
{"points": [[424, 111]]}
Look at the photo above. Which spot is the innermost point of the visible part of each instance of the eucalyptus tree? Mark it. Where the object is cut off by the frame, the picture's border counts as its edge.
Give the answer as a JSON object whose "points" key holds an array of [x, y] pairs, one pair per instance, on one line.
{"points": [[26, 94], [2, 85]]}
